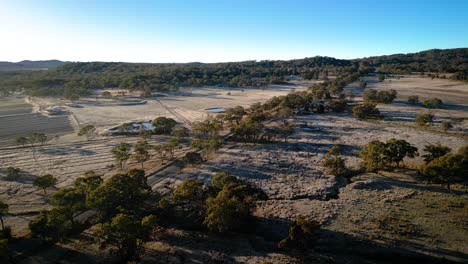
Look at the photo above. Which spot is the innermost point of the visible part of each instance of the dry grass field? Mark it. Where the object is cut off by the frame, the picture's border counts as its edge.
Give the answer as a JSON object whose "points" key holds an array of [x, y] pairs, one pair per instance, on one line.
{"points": [[393, 212]]}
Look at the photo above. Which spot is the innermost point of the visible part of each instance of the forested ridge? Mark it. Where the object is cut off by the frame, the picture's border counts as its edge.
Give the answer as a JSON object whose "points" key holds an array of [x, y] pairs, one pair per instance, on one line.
{"points": [[78, 78], [435, 60]]}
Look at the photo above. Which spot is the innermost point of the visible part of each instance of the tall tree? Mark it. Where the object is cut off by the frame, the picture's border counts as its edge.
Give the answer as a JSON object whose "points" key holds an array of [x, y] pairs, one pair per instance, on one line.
{"points": [[121, 153], [45, 182]]}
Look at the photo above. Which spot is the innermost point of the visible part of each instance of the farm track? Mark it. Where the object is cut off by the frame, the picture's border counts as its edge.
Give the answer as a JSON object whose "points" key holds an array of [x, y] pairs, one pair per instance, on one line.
{"points": [[175, 113]]}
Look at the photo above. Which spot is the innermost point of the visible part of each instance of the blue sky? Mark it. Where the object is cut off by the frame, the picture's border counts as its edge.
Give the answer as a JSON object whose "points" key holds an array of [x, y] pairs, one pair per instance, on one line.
{"points": [[222, 30]]}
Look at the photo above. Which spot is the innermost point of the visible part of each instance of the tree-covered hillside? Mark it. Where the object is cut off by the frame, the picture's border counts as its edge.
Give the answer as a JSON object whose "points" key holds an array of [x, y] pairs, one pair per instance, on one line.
{"points": [[435, 60], [80, 77]]}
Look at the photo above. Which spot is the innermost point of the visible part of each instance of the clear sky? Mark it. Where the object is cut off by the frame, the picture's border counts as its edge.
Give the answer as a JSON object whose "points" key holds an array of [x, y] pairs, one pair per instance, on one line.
{"points": [[226, 30]]}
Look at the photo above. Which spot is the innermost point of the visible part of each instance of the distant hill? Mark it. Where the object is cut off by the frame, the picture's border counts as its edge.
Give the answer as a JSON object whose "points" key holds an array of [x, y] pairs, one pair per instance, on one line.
{"points": [[79, 78], [434, 60], [27, 65]]}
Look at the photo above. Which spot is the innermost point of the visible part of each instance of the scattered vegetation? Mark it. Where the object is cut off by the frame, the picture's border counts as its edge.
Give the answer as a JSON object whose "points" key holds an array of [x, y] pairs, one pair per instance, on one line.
{"points": [[447, 168], [45, 182], [302, 234], [432, 103], [121, 153], [378, 155], [87, 131], [385, 97], [424, 119], [333, 162], [413, 99], [367, 111], [163, 125]]}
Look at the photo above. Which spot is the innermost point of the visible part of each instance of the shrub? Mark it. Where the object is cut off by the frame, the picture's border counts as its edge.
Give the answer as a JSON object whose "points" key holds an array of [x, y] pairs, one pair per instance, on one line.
{"points": [[370, 95], [44, 182], [50, 225], [446, 125], [302, 234], [446, 169], [121, 153], [424, 119], [335, 165], [3, 211], [333, 162], [180, 132], [385, 97], [396, 150], [377, 155], [127, 234], [106, 94], [193, 157], [222, 179], [413, 99], [87, 131], [12, 173], [367, 111], [433, 151], [373, 155], [228, 212], [163, 125], [121, 193], [320, 109], [337, 106], [21, 140], [5, 252], [432, 103]]}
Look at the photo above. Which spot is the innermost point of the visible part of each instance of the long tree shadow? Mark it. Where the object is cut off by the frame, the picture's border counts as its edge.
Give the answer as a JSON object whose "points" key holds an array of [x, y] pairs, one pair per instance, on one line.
{"points": [[346, 248]]}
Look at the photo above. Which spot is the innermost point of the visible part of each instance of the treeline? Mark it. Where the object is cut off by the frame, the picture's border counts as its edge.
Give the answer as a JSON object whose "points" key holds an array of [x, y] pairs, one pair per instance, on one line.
{"points": [[435, 60], [81, 77], [78, 78]]}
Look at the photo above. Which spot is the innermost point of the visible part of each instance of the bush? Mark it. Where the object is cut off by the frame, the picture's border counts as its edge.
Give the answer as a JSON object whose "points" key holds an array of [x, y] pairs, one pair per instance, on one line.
{"points": [[44, 182], [433, 151], [424, 119], [12, 173], [338, 106], [446, 169], [367, 111], [121, 193], [228, 212], [377, 155], [385, 97], [320, 109], [50, 225], [163, 125], [222, 179], [127, 234], [446, 125], [413, 99], [21, 140], [193, 157], [432, 103], [180, 132], [302, 234], [396, 150], [372, 155], [333, 162]]}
